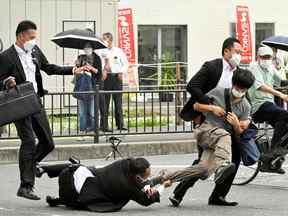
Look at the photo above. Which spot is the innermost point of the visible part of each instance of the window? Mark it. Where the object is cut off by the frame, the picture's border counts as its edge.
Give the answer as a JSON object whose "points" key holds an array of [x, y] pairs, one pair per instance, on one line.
{"points": [[159, 44], [233, 30], [263, 30]]}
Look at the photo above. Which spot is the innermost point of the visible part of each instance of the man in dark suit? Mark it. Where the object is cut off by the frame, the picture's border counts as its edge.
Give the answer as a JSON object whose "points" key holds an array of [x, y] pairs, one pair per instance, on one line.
{"points": [[213, 74], [19, 63], [106, 189]]}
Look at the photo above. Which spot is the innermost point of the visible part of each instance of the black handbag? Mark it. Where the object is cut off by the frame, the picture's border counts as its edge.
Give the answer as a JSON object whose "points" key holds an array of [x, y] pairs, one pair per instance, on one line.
{"points": [[18, 102]]}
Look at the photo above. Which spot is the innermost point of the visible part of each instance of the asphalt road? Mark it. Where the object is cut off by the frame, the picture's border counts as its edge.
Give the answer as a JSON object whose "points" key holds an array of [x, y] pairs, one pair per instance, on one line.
{"points": [[266, 195]]}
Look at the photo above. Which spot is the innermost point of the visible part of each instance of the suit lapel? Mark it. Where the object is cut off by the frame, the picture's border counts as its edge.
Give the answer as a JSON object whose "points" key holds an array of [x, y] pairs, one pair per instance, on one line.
{"points": [[219, 69], [15, 58]]}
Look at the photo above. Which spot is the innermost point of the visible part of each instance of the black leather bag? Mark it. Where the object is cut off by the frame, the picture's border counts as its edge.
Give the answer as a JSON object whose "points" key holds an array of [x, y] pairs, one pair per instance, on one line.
{"points": [[18, 103]]}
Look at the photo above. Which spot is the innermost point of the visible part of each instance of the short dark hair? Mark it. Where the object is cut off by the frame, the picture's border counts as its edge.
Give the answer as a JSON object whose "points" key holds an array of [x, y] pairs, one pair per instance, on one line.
{"points": [[108, 35], [25, 25], [139, 165], [228, 43], [243, 78]]}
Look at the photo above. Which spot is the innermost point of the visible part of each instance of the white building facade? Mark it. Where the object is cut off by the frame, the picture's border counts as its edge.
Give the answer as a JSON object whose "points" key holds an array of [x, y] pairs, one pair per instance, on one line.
{"points": [[193, 31], [52, 17]]}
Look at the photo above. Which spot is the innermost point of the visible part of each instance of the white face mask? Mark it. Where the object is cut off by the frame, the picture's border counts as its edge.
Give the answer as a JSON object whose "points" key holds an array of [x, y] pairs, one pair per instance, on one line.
{"points": [[88, 51], [237, 94], [29, 45], [266, 64], [235, 60]]}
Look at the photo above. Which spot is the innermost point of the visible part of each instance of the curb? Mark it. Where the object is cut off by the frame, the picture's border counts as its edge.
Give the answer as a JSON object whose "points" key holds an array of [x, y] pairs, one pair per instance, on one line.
{"points": [[97, 151]]}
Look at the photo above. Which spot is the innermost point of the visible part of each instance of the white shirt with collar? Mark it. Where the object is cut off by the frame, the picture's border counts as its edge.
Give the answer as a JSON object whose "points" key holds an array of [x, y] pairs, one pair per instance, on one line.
{"points": [[28, 65], [116, 58], [226, 76], [80, 176]]}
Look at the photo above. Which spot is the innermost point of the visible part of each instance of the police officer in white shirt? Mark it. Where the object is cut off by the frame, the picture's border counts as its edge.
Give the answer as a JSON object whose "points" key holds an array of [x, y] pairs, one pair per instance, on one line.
{"points": [[115, 65]]}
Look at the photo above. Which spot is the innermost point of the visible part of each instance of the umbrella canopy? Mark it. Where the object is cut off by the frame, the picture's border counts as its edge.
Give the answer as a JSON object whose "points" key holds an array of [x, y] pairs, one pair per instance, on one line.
{"points": [[77, 38], [278, 42]]}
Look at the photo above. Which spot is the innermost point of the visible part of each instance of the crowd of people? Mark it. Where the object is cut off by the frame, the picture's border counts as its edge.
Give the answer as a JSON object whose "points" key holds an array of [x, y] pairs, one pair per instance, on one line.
{"points": [[225, 100]]}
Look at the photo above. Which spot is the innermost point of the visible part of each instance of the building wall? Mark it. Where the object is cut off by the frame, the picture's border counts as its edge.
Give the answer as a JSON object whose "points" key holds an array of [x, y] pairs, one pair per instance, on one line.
{"points": [[48, 15], [208, 21]]}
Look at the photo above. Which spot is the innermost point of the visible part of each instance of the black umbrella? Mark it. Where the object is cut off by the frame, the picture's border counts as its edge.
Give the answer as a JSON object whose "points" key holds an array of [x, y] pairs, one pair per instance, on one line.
{"points": [[278, 42], [77, 38]]}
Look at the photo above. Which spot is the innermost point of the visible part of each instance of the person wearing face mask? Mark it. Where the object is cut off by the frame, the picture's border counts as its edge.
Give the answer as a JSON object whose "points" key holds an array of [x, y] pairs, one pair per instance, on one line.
{"points": [[214, 136], [213, 74], [19, 63], [265, 110], [106, 189], [91, 79]]}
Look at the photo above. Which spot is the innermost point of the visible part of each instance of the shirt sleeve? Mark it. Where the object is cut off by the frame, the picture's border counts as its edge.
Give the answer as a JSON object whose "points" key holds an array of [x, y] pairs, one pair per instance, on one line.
{"points": [[259, 81], [246, 111], [124, 61], [160, 189]]}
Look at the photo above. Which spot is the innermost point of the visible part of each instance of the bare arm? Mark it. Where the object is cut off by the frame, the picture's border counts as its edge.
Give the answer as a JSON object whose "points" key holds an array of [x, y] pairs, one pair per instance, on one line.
{"points": [[267, 89]]}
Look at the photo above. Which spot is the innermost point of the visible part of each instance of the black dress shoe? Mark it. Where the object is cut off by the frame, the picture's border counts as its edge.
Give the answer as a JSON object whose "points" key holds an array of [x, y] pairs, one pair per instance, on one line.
{"points": [[175, 202], [28, 193], [222, 173], [52, 201], [39, 171], [122, 128], [281, 171], [74, 160], [220, 201], [270, 170], [107, 130]]}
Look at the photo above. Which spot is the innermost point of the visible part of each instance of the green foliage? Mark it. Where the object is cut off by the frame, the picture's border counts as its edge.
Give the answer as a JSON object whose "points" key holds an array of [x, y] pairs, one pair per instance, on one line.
{"points": [[168, 73]]}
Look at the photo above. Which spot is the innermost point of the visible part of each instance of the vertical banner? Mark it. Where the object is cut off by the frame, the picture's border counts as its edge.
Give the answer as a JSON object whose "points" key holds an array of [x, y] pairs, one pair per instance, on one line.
{"points": [[243, 32], [126, 43]]}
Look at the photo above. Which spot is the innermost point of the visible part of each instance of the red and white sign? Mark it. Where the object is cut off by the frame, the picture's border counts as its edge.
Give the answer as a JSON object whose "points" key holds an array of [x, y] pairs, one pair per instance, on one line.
{"points": [[243, 32], [127, 43]]}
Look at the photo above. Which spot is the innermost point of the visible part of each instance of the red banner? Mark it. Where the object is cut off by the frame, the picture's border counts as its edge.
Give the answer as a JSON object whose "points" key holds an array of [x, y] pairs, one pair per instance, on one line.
{"points": [[126, 43], [126, 34], [243, 32]]}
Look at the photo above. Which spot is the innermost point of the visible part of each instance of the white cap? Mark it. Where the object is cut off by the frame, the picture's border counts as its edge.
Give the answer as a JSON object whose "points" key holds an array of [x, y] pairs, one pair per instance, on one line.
{"points": [[265, 51]]}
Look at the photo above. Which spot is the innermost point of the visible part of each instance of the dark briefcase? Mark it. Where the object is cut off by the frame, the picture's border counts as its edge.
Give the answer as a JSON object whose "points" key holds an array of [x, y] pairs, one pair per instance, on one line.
{"points": [[18, 103]]}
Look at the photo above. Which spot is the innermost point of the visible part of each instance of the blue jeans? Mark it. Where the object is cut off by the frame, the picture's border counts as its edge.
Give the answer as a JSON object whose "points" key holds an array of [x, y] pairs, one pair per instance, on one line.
{"points": [[86, 115]]}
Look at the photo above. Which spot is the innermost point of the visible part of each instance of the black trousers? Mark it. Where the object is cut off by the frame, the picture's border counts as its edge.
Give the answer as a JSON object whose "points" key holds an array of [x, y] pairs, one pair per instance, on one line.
{"points": [[114, 83], [277, 117], [30, 153], [220, 189], [68, 195], [102, 107]]}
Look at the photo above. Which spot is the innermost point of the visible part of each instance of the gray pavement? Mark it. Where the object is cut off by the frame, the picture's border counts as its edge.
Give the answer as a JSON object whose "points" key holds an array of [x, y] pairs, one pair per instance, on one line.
{"points": [[266, 195], [103, 139]]}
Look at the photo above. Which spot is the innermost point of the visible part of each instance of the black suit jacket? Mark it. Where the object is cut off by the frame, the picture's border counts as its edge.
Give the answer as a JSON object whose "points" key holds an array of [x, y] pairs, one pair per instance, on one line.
{"points": [[112, 188], [201, 83], [10, 65]]}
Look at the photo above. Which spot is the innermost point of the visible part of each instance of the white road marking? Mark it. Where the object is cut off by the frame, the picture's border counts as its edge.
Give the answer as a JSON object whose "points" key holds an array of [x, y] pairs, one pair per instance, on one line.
{"points": [[4, 209]]}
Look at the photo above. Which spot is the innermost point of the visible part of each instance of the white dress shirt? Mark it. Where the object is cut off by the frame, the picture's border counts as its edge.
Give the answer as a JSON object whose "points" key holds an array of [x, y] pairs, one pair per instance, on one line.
{"points": [[226, 76], [117, 59], [80, 176], [28, 66]]}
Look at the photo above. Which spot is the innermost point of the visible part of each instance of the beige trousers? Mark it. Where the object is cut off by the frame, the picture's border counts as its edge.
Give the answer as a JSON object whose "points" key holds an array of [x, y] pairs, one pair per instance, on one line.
{"points": [[216, 145]]}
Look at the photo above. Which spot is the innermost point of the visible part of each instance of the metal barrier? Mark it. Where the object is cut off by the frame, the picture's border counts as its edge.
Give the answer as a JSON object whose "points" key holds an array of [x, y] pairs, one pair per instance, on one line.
{"points": [[144, 112]]}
